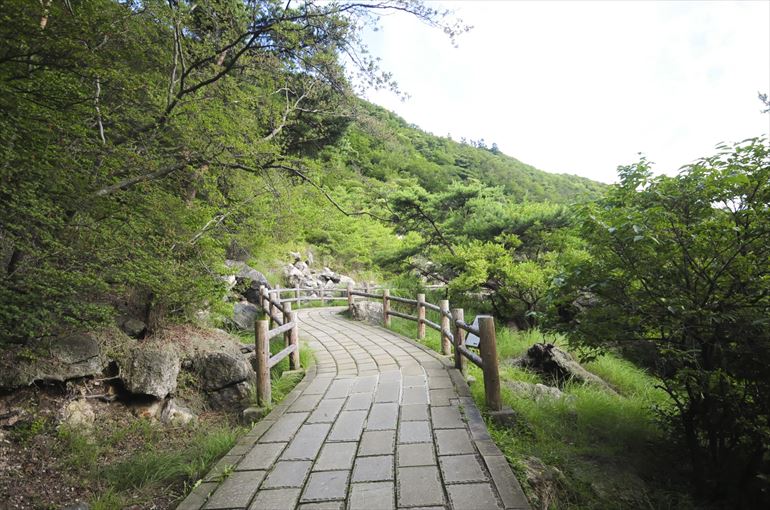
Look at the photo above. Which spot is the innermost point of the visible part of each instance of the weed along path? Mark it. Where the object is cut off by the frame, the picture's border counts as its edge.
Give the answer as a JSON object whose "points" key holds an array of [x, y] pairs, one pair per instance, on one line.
{"points": [[379, 422]]}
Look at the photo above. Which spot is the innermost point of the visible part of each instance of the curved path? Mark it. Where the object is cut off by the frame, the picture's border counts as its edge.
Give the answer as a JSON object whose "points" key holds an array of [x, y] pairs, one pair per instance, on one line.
{"points": [[380, 422]]}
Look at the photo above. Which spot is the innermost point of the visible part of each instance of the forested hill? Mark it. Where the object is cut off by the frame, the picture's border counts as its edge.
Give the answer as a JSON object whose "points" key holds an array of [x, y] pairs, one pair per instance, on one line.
{"points": [[382, 145]]}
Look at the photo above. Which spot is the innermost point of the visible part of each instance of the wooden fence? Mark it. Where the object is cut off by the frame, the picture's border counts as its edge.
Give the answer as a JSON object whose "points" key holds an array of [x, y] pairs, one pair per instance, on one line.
{"points": [[452, 327]]}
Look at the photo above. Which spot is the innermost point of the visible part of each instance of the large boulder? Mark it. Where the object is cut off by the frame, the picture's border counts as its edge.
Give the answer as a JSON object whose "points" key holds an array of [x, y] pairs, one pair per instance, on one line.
{"points": [[56, 359], [151, 370], [248, 280], [327, 275], [235, 397], [558, 365], [293, 276], [367, 311], [219, 369], [244, 315]]}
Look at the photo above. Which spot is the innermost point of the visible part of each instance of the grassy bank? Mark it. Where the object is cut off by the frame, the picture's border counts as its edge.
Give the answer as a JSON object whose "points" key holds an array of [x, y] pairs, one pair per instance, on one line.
{"points": [[590, 449]]}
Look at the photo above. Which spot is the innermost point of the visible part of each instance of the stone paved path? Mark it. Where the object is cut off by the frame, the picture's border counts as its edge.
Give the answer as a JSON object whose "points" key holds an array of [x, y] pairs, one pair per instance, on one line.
{"points": [[380, 422]]}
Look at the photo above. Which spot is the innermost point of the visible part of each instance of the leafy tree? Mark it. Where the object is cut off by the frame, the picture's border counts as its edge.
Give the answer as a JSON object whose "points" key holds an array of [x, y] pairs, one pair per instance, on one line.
{"points": [[683, 263]]}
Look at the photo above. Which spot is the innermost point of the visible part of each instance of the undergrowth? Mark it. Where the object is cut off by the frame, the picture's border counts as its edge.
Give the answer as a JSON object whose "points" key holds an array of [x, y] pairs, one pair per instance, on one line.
{"points": [[600, 450]]}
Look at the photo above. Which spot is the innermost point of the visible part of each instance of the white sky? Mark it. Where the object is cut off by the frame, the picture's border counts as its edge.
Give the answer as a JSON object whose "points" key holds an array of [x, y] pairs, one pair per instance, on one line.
{"points": [[582, 87]]}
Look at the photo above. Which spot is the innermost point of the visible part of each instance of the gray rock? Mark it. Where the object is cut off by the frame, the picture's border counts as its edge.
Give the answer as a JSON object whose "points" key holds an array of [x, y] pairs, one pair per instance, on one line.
{"points": [[293, 276], [233, 397], [220, 369], [302, 267], [346, 280], [367, 311], [244, 315], [134, 328], [558, 365], [57, 359], [310, 258], [327, 275], [248, 280], [174, 414], [543, 480], [78, 414], [151, 370], [536, 392]]}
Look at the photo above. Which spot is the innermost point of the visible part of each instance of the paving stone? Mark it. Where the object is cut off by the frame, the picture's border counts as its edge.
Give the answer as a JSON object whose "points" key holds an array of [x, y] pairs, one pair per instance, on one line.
{"points": [[420, 486], [453, 442], [225, 463], [275, 499], [358, 401], [348, 426], [261, 456], [323, 505], [414, 381], [326, 485], [437, 383], [479, 496], [507, 485], [462, 469], [365, 384], [287, 474], [411, 368], [416, 454], [414, 432], [388, 392], [307, 442], [415, 395], [377, 442], [414, 412], [197, 498], [441, 397], [447, 417], [327, 411], [318, 386], [305, 403], [372, 496], [373, 469], [284, 428], [382, 417], [236, 490], [336, 456], [339, 388]]}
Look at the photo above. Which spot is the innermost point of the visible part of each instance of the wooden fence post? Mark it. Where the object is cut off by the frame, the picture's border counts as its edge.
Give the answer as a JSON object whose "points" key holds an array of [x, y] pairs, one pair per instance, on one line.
{"points": [[262, 347], [446, 348], [421, 316], [296, 296], [386, 307], [459, 333], [271, 308], [488, 351], [286, 313], [262, 297], [350, 297], [294, 362]]}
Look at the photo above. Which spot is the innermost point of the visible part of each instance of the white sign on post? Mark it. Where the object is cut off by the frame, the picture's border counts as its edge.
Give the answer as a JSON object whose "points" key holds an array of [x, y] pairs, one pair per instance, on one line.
{"points": [[472, 340]]}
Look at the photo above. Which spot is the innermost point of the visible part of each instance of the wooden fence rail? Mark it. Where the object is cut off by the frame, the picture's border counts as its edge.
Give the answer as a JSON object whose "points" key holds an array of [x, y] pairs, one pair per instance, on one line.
{"points": [[451, 326]]}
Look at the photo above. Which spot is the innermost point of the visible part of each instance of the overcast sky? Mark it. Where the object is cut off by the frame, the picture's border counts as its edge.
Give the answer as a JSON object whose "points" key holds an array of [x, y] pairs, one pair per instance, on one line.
{"points": [[582, 87]]}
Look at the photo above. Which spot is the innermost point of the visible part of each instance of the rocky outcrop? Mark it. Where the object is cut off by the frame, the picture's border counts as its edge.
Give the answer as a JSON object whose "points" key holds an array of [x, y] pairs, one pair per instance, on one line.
{"points": [[301, 274], [244, 315], [367, 311], [151, 370], [544, 481], [57, 360], [558, 366], [224, 373], [247, 280]]}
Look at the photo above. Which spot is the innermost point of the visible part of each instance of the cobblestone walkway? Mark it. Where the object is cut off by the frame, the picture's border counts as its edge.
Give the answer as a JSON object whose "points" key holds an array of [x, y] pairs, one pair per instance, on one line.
{"points": [[380, 422]]}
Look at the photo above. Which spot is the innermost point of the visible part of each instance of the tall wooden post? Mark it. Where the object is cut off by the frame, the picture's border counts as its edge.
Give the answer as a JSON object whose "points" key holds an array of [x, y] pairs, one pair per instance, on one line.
{"points": [[262, 297], [421, 316], [294, 363], [386, 307], [350, 297], [286, 313], [446, 348], [459, 333], [296, 296], [262, 347], [271, 308], [488, 351]]}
